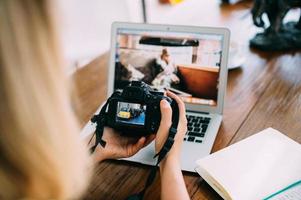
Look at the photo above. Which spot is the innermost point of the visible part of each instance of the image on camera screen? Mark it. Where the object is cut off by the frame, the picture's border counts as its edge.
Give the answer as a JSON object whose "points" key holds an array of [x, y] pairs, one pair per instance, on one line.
{"points": [[187, 64], [130, 113]]}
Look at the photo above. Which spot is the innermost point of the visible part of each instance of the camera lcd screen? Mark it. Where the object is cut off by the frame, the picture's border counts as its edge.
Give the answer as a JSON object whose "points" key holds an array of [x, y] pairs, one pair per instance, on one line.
{"points": [[130, 113]]}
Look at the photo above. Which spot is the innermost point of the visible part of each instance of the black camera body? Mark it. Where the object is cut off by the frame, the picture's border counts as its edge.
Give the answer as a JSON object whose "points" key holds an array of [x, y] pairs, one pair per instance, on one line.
{"points": [[135, 111]]}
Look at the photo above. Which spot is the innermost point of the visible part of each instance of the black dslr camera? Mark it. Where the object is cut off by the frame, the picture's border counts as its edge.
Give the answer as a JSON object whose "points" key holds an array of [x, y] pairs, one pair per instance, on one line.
{"points": [[136, 111]]}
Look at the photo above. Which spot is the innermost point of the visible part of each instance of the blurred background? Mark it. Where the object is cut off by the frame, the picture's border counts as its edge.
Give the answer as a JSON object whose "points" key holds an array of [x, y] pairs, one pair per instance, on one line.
{"points": [[85, 25]]}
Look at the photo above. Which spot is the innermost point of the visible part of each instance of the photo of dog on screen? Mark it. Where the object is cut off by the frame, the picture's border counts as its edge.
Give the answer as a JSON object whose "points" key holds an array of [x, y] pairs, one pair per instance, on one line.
{"points": [[186, 66]]}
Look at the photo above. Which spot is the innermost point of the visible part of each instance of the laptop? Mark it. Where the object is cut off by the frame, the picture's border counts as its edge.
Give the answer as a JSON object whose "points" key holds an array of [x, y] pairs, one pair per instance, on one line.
{"points": [[189, 61]]}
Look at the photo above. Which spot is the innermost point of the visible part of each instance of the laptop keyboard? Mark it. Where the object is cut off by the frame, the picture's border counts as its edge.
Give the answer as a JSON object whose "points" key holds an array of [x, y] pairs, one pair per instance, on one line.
{"points": [[196, 128]]}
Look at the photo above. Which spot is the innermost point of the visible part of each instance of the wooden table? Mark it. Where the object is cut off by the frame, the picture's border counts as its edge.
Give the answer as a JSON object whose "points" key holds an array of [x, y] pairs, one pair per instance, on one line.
{"points": [[265, 92]]}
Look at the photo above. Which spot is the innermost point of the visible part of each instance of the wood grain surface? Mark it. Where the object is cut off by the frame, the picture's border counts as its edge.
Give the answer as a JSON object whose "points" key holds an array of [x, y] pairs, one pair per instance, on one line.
{"points": [[264, 92]]}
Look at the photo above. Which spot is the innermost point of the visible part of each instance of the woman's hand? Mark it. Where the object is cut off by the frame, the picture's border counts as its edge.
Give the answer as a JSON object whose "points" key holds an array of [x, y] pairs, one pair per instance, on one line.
{"points": [[172, 182], [118, 146], [166, 120]]}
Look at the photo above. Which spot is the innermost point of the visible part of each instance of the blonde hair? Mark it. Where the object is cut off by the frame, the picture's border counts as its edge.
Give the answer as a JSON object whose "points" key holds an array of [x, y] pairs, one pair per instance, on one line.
{"points": [[41, 154]]}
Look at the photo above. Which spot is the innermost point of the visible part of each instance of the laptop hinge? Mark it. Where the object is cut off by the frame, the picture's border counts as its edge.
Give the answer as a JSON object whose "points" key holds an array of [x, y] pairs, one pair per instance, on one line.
{"points": [[199, 112]]}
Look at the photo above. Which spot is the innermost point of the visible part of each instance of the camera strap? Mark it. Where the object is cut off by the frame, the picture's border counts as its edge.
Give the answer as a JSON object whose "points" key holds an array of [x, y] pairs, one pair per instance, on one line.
{"points": [[100, 121], [160, 155]]}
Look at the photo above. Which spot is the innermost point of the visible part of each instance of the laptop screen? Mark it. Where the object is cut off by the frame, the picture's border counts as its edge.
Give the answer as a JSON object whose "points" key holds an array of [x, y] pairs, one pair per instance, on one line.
{"points": [[187, 64]]}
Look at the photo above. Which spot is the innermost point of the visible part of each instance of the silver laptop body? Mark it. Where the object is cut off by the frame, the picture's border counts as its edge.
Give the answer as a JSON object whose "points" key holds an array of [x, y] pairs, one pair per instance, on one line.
{"points": [[200, 56]]}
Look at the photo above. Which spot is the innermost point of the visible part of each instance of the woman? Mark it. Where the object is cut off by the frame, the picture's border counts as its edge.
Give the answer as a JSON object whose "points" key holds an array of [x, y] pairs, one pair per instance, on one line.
{"points": [[168, 76], [41, 154]]}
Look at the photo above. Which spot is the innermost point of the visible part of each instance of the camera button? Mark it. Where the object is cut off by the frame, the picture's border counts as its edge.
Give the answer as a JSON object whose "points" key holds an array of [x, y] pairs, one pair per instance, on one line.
{"points": [[153, 127]]}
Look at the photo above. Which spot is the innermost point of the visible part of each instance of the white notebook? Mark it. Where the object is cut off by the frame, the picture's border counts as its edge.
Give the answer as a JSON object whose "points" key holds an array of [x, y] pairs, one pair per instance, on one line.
{"points": [[266, 166]]}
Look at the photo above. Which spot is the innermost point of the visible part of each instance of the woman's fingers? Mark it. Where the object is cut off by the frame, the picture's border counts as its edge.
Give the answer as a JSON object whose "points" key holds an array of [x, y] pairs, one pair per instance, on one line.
{"points": [[141, 143], [182, 126], [166, 116], [149, 139], [136, 147], [166, 113], [182, 110]]}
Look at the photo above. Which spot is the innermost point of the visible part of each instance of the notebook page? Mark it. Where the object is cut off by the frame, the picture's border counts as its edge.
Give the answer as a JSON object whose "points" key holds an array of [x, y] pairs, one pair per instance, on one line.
{"points": [[256, 167]]}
